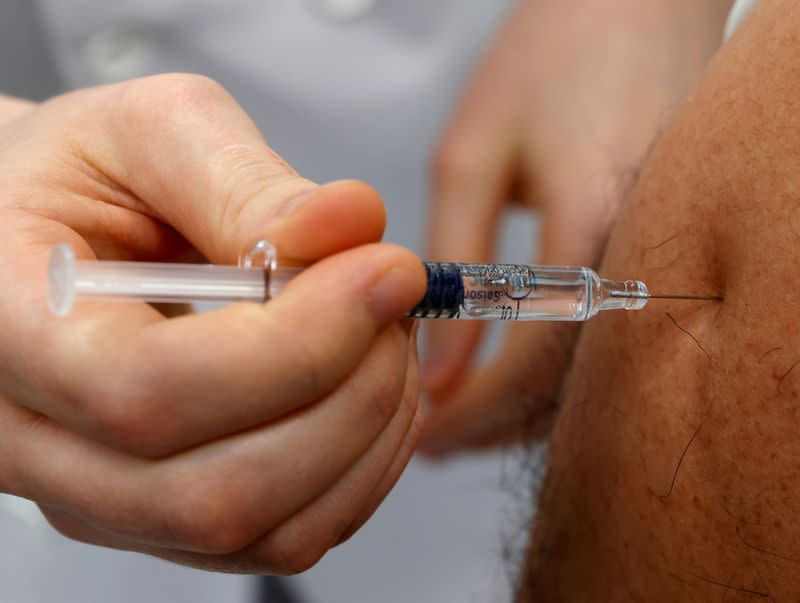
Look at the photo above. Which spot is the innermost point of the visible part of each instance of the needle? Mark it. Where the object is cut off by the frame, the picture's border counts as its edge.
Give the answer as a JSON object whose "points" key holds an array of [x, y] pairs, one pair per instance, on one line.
{"points": [[455, 291], [635, 295]]}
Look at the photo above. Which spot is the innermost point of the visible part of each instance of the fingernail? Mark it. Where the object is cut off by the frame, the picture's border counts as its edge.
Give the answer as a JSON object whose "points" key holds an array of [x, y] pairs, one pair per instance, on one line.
{"points": [[389, 298]]}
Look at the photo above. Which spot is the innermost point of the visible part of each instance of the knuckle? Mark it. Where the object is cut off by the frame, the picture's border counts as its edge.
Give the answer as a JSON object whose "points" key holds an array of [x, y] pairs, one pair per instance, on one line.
{"points": [[128, 415], [246, 172], [386, 394], [167, 98], [293, 551], [304, 359], [195, 87], [124, 423], [387, 399], [205, 516], [186, 90], [65, 526]]}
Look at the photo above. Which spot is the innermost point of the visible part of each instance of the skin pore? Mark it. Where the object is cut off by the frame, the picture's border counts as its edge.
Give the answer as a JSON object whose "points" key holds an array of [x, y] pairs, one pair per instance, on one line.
{"points": [[674, 465]]}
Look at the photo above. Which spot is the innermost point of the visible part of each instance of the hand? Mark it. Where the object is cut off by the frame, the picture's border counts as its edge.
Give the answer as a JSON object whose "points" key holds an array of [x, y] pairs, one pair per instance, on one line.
{"points": [[249, 439], [558, 118]]}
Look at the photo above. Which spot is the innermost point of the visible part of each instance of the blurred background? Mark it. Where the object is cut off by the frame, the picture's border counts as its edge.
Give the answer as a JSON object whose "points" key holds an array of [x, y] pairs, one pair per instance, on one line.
{"points": [[341, 89]]}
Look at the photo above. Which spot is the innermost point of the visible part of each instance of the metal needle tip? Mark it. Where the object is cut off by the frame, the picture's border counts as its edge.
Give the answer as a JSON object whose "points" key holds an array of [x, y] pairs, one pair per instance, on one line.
{"points": [[636, 295], [715, 298]]}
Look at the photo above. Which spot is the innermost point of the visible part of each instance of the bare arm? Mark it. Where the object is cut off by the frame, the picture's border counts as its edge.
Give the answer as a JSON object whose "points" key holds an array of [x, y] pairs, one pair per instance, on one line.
{"points": [[675, 463]]}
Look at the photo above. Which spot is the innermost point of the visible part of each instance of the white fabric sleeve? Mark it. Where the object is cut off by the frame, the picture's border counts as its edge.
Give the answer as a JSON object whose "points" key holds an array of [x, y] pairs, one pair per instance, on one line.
{"points": [[739, 13]]}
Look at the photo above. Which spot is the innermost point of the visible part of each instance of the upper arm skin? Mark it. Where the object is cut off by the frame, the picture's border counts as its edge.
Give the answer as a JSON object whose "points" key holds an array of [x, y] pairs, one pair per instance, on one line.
{"points": [[675, 462]]}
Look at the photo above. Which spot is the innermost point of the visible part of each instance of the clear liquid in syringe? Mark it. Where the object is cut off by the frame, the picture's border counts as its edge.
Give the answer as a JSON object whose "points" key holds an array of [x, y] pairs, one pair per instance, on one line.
{"points": [[519, 292]]}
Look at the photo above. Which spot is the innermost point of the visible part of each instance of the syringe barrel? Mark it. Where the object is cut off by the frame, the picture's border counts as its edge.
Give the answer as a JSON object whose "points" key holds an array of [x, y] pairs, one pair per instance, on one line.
{"points": [[520, 292], [455, 291], [154, 282]]}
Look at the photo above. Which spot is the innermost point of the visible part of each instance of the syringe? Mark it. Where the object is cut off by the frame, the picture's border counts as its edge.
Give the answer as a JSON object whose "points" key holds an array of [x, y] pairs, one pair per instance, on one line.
{"points": [[455, 291]]}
